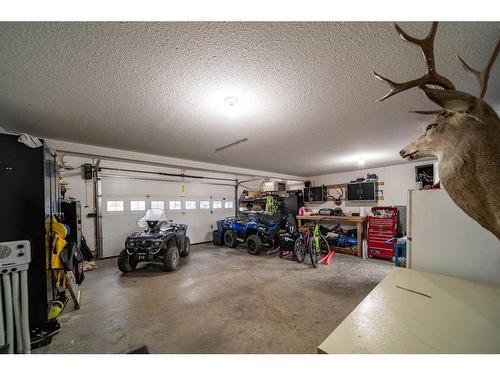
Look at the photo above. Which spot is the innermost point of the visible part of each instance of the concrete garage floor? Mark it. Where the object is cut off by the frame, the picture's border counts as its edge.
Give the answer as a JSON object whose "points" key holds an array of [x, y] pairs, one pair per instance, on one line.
{"points": [[220, 300]]}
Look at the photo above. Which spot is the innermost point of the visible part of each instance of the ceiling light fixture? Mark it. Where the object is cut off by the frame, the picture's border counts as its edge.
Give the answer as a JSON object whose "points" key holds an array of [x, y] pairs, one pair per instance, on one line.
{"points": [[231, 101], [361, 159]]}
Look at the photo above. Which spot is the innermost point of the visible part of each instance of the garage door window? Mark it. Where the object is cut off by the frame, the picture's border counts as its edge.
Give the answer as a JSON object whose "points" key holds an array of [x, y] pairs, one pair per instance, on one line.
{"points": [[217, 204], [158, 204], [190, 205], [228, 204], [205, 205], [114, 206], [174, 205], [137, 205]]}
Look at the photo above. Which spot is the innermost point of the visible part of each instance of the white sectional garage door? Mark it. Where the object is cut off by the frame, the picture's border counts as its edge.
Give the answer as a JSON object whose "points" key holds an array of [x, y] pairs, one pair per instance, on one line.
{"points": [[126, 200]]}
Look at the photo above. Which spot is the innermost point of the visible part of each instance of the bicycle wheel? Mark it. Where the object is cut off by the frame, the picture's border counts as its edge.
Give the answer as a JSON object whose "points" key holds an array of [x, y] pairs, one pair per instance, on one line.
{"points": [[314, 252], [299, 250], [323, 244]]}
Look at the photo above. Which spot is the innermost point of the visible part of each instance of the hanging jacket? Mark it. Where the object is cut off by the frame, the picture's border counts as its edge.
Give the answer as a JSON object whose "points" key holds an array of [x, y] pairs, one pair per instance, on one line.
{"points": [[59, 232]]}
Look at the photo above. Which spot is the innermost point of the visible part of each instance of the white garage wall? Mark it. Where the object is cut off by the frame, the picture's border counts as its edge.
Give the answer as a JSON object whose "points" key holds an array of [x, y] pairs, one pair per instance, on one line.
{"points": [[398, 179], [201, 222]]}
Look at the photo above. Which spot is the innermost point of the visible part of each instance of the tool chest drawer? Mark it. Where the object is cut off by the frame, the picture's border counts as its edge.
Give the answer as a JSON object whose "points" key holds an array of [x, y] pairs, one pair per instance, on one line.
{"points": [[381, 253], [381, 223]]}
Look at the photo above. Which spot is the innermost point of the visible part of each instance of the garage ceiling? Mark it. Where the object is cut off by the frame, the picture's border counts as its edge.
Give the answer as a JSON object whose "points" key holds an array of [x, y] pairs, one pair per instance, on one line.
{"points": [[305, 96]]}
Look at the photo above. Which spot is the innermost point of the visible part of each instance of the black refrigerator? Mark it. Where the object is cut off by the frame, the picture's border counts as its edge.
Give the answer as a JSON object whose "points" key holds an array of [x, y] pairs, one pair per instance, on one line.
{"points": [[29, 197]]}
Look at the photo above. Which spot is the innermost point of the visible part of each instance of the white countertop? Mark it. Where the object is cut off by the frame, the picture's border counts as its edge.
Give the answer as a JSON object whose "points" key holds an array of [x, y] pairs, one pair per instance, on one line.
{"points": [[459, 316]]}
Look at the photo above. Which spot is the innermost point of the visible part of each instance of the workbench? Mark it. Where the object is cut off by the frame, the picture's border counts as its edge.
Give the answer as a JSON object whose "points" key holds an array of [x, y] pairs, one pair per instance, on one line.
{"points": [[358, 221], [421, 312]]}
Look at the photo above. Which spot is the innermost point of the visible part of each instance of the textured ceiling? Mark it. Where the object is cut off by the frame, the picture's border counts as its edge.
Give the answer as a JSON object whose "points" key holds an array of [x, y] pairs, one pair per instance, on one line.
{"points": [[306, 96]]}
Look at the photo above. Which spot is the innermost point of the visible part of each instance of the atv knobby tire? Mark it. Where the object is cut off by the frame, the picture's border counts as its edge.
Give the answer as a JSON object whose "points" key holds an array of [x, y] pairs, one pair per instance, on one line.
{"points": [[187, 248], [171, 258], [230, 238], [254, 244], [126, 263]]}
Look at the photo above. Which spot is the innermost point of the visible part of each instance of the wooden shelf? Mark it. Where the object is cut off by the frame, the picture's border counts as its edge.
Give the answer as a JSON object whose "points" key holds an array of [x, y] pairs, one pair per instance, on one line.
{"points": [[343, 186], [344, 200], [250, 200], [338, 219], [345, 250], [263, 197]]}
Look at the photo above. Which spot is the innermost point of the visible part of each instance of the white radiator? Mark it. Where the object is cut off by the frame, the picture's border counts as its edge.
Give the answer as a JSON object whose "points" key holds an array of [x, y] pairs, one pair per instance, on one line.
{"points": [[15, 257]]}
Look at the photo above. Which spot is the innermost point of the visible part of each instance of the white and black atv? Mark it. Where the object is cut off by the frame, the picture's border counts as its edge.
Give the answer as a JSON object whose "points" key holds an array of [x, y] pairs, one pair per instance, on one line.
{"points": [[161, 241]]}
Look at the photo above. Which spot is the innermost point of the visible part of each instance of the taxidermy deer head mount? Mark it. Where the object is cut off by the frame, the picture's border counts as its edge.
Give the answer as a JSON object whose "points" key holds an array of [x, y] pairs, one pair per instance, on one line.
{"points": [[464, 136]]}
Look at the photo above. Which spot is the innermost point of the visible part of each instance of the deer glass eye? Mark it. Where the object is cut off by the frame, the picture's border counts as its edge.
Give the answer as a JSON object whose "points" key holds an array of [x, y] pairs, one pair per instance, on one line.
{"points": [[430, 126]]}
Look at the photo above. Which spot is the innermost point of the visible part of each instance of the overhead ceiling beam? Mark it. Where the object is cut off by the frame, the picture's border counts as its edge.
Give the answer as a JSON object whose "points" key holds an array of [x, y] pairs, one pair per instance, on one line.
{"points": [[223, 148]]}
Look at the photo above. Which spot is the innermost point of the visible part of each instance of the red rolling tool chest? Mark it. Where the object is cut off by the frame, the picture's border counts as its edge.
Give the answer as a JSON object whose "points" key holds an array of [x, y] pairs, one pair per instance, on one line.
{"points": [[381, 228]]}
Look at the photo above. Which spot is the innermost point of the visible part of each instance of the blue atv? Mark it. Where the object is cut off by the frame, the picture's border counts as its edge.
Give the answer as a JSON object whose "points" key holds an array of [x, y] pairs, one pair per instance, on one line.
{"points": [[256, 231]]}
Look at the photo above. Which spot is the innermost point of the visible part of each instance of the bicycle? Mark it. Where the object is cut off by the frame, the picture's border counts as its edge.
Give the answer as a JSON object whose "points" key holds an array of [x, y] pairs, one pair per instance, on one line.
{"points": [[311, 241]]}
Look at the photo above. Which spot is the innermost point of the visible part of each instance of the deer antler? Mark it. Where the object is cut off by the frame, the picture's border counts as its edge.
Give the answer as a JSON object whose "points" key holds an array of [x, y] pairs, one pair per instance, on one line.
{"points": [[431, 77], [484, 75]]}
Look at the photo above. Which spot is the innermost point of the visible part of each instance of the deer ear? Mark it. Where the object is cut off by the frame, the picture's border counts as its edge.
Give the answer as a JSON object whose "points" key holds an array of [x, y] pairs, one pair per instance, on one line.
{"points": [[453, 100]]}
